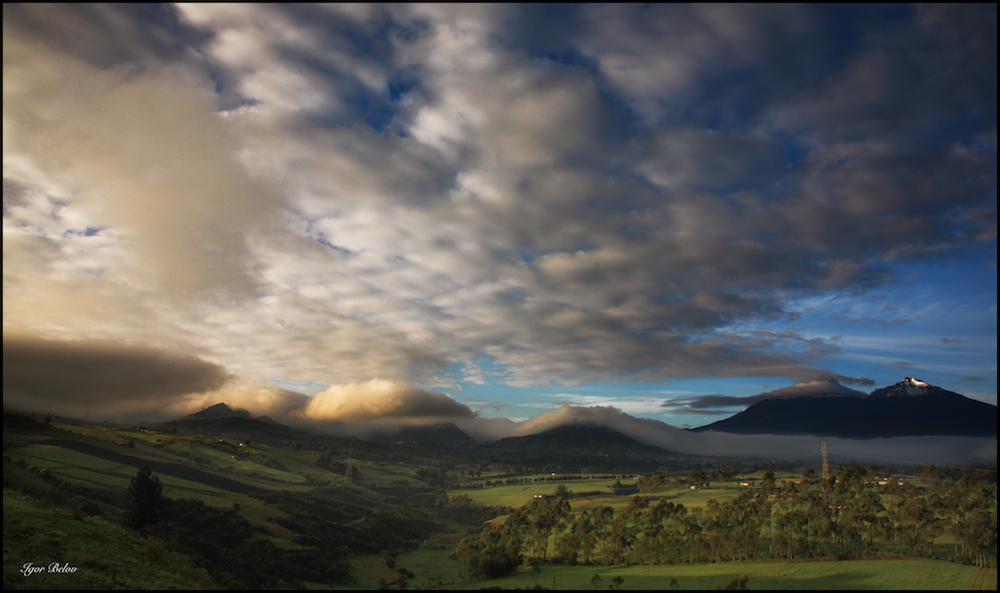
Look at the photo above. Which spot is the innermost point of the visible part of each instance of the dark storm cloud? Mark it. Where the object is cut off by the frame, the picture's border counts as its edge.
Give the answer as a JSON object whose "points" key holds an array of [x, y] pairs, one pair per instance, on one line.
{"points": [[101, 375]]}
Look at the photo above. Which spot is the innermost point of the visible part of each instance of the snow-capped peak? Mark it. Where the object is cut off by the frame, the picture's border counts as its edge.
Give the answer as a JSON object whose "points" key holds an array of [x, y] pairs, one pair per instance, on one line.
{"points": [[907, 387]]}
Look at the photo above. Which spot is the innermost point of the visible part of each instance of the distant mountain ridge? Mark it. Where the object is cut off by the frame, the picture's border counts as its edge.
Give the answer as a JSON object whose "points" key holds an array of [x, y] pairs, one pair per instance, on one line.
{"points": [[583, 441], [222, 421], [443, 431], [908, 408], [218, 411]]}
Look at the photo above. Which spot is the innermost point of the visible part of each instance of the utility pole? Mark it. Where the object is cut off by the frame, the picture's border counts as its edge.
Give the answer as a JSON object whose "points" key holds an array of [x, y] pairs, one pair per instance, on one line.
{"points": [[826, 459]]}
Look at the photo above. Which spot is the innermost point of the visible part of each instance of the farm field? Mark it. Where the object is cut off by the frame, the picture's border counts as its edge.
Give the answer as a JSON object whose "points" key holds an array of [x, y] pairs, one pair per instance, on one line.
{"points": [[589, 493], [433, 566], [832, 575]]}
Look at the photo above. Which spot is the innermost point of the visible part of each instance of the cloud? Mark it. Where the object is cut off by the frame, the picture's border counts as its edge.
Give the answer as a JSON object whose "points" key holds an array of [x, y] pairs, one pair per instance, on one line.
{"points": [[380, 398], [417, 193], [127, 382], [699, 412], [631, 404], [670, 61], [283, 405], [105, 35], [143, 153], [964, 450], [823, 386], [101, 378]]}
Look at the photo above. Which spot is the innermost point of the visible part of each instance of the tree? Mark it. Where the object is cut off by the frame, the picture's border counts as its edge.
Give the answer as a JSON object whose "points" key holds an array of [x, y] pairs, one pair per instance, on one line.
{"points": [[492, 554], [563, 492], [768, 479], [738, 584], [145, 493]]}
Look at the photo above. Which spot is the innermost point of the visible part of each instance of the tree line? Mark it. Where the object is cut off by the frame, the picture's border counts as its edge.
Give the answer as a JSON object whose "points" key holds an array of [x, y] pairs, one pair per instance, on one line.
{"points": [[845, 515]]}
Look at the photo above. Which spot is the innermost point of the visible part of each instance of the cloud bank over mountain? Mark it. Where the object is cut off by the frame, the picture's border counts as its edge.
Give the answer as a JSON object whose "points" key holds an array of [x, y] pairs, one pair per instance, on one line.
{"points": [[140, 384], [821, 386]]}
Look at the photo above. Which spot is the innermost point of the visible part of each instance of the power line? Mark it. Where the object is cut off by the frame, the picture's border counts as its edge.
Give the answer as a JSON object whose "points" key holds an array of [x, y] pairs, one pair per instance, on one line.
{"points": [[800, 455], [909, 462]]}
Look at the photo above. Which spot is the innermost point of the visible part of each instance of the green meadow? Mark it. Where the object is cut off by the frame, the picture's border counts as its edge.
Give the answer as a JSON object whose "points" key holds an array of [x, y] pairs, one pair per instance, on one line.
{"points": [[589, 492], [785, 575], [104, 554]]}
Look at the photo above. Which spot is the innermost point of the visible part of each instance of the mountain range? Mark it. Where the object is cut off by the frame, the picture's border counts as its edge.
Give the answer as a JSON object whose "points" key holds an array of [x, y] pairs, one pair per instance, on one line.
{"points": [[908, 408], [575, 440], [222, 421], [582, 442]]}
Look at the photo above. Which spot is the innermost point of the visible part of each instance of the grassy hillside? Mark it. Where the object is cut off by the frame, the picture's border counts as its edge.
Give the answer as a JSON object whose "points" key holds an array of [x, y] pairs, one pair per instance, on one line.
{"points": [[105, 554], [243, 514], [250, 514]]}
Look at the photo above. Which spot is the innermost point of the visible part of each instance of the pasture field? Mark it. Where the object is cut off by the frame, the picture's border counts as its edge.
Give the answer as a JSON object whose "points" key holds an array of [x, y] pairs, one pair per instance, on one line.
{"points": [[432, 566], [591, 492]]}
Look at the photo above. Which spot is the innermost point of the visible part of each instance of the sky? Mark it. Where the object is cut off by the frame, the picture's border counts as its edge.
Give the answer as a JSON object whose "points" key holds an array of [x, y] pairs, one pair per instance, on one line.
{"points": [[497, 215]]}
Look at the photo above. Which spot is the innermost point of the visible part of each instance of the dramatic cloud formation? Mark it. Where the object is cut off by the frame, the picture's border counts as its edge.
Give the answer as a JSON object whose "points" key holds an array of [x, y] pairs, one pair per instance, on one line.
{"points": [[100, 378], [380, 399], [424, 210]]}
